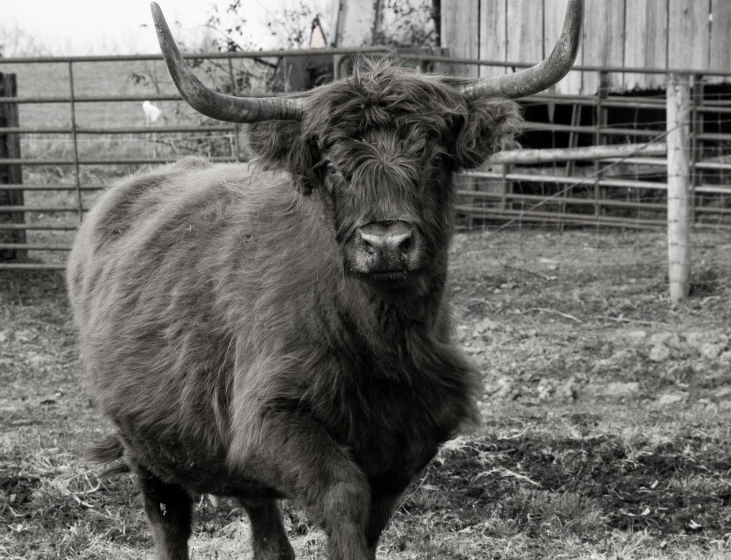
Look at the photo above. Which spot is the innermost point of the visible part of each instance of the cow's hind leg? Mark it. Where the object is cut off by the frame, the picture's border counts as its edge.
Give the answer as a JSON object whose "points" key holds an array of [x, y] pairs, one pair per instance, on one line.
{"points": [[268, 537], [168, 508]]}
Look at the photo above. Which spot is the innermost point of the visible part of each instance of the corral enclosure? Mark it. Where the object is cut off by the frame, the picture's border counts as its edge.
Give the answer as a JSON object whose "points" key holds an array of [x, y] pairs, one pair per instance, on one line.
{"points": [[81, 118], [652, 34], [82, 126], [606, 428]]}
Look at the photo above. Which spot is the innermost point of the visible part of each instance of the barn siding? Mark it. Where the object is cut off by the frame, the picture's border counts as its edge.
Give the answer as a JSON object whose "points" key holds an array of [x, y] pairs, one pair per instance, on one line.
{"points": [[603, 44], [461, 33], [555, 12], [493, 37], [637, 33], [720, 47], [646, 42], [525, 30], [689, 25]]}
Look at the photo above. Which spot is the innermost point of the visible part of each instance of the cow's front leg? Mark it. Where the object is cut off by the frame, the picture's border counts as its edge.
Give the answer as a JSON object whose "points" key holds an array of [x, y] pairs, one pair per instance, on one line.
{"points": [[293, 454], [269, 539], [378, 518]]}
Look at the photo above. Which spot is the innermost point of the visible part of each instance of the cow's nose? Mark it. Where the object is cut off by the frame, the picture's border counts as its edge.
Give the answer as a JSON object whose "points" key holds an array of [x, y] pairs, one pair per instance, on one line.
{"points": [[390, 243], [387, 246]]}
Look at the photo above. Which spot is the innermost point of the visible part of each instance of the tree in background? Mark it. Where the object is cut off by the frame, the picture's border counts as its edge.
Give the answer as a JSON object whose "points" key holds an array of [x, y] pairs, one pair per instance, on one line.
{"points": [[15, 42], [395, 23], [407, 23], [289, 26]]}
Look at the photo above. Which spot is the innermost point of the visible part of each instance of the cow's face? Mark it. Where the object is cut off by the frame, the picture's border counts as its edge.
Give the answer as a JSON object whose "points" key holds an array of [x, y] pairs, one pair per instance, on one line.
{"points": [[380, 151], [391, 202]]}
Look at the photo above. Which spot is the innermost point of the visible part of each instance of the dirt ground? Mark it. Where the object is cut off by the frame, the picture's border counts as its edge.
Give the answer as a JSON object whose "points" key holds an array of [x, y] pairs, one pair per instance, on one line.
{"points": [[606, 417]]}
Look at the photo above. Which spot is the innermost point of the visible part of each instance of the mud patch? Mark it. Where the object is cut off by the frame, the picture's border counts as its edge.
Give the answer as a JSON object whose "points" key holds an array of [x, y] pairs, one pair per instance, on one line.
{"points": [[676, 488]]}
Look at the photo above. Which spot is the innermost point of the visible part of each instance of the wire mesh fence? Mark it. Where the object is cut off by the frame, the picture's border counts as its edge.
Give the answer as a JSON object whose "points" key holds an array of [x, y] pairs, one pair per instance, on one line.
{"points": [[629, 190], [81, 126], [580, 200]]}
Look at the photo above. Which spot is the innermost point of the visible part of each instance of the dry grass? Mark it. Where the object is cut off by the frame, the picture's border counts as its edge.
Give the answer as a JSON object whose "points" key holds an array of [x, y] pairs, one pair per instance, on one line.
{"points": [[552, 472]]}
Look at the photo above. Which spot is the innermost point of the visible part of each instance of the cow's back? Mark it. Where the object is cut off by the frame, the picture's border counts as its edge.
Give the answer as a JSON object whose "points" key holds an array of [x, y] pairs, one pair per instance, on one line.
{"points": [[115, 221], [141, 279], [153, 217]]}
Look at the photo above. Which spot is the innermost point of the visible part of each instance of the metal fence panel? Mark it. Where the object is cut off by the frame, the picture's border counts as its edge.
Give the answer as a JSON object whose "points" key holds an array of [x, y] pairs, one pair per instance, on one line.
{"points": [[77, 139]]}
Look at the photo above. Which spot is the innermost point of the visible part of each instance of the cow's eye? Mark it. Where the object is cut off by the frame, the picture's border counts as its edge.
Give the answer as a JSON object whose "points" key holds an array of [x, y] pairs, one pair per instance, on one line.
{"points": [[438, 160], [331, 168]]}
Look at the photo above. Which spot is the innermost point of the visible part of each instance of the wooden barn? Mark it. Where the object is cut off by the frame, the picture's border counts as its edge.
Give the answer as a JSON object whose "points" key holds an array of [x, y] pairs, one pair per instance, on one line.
{"points": [[659, 34]]}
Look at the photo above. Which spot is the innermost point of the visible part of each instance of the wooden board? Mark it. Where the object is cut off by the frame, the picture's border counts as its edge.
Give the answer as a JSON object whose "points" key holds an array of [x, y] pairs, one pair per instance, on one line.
{"points": [[604, 41], [720, 49], [675, 34], [555, 14], [525, 31], [460, 32], [688, 34], [493, 35], [355, 24], [646, 42]]}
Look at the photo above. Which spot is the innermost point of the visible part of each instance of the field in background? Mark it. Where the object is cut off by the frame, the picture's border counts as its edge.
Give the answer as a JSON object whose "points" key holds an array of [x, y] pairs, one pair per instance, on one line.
{"points": [[94, 79], [118, 78], [606, 417]]}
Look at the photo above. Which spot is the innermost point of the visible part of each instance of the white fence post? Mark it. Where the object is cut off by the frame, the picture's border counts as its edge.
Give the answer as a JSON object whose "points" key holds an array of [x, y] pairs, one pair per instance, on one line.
{"points": [[678, 126]]}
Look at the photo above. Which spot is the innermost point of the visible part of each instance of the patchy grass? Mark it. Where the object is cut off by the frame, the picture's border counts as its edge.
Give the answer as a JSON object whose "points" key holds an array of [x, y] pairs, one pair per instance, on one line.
{"points": [[595, 445]]}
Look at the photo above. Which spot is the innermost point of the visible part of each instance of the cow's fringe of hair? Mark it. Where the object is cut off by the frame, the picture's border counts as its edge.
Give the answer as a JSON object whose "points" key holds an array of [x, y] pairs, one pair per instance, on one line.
{"points": [[427, 105]]}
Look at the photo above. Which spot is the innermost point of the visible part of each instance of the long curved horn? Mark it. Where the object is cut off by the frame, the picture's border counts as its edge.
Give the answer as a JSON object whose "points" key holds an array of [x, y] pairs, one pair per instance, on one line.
{"points": [[542, 75], [217, 105]]}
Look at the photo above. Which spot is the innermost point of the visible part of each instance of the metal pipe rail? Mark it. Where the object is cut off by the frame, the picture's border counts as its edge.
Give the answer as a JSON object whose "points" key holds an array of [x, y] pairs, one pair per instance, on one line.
{"points": [[547, 201], [517, 216], [377, 49], [128, 161], [118, 130], [273, 53], [111, 98], [575, 181], [51, 187]]}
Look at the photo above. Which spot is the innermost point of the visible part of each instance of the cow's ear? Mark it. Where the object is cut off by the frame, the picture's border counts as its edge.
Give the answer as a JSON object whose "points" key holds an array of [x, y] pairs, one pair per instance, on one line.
{"points": [[491, 126], [281, 144]]}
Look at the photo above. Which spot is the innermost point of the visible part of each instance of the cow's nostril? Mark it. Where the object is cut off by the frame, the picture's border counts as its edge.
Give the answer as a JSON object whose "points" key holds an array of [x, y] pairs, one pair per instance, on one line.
{"points": [[404, 246], [369, 248]]}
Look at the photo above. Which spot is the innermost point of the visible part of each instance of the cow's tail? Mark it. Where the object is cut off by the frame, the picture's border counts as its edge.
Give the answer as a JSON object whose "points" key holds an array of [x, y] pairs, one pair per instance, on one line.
{"points": [[107, 450]]}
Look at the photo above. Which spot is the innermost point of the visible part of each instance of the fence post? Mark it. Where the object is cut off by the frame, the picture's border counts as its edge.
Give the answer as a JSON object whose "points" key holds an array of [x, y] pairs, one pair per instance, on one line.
{"points": [[233, 92], [12, 174], [75, 141], [679, 157], [599, 140]]}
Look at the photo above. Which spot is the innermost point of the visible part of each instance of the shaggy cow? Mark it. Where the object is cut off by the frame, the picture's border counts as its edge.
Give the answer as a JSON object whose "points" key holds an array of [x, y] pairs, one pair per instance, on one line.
{"points": [[280, 329]]}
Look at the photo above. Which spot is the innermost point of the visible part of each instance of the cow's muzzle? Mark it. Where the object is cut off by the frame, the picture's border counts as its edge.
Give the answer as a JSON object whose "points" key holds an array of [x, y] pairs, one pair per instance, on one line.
{"points": [[387, 253]]}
